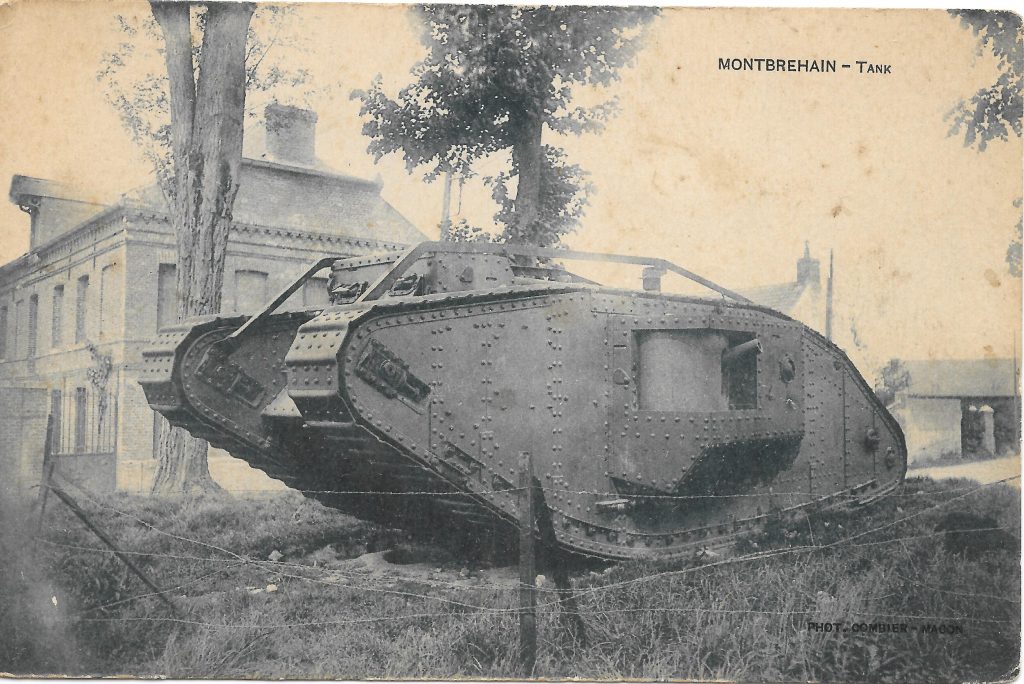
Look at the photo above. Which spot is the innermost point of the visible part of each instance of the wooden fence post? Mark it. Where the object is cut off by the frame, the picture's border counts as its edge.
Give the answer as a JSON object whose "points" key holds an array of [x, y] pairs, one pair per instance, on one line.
{"points": [[527, 568], [80, 514], [553, 562]]}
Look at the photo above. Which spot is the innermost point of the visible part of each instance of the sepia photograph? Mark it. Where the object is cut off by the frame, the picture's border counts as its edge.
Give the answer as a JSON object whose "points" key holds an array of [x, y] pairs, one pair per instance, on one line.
{"points": [[489, 341]]}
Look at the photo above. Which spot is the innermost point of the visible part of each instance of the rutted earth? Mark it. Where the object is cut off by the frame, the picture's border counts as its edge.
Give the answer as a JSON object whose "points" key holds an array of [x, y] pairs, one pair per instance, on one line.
{"points": [[407, 564], [377, 565]]}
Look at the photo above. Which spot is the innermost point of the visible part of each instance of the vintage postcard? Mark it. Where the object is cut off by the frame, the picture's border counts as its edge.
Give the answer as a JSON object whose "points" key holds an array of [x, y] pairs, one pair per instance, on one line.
{"points": [[488, 341]]}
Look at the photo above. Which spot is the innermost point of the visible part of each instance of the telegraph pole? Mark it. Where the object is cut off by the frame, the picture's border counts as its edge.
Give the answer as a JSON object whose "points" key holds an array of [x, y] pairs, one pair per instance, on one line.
{"points": [[446, 202], [828, 300], [1016, 395]]}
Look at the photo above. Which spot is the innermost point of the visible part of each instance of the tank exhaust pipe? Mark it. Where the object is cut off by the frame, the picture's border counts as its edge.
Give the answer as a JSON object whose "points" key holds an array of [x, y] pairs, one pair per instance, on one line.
{"points": [[652, 278], [740, 350]]}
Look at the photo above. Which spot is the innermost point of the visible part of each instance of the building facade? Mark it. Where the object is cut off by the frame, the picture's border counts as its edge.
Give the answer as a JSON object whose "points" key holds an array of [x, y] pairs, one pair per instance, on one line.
{"points": [[98, 284], [966, 408]]}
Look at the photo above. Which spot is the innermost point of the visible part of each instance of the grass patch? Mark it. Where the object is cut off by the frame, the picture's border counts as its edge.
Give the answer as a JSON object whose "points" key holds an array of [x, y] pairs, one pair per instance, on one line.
{"points": [[315, 613]]}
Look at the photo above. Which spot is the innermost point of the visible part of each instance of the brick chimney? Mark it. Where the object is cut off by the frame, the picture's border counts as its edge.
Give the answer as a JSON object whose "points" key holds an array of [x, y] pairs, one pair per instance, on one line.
{"points": [[808, 270], [291, 134]]}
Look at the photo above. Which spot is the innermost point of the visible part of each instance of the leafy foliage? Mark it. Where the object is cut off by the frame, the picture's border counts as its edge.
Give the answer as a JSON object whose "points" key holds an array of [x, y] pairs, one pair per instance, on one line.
{"points": [[1013, 252], [462, 231], [993, 112], [893, 378], [563, 198], [493, 78], [135, 82]]}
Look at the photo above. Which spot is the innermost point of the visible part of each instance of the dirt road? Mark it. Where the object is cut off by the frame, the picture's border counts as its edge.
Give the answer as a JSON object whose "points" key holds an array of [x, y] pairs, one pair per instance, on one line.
{"points": [[981, 471]]}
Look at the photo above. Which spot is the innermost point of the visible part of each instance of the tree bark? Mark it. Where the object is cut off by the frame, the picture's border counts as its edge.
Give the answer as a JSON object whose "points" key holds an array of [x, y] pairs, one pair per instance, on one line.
{"points": [[173, 19], [206, 127], [526, 154]]}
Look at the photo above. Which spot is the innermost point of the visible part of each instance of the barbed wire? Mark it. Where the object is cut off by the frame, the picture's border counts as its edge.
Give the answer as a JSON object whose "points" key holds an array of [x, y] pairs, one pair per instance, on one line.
{"points": [[774, 552], [962, 594], [193, 581], [588, 492], [276, 567], [810, 610]]}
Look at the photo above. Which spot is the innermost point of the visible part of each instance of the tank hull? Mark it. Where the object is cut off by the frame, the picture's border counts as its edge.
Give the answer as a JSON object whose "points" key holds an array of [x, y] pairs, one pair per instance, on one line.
{"points": [[657, 424]]}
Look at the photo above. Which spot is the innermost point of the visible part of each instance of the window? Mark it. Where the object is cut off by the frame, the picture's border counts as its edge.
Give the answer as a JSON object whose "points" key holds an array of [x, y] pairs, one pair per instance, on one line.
{"points": [[108, 302], [33, 324], [166, 296], [3, 332], [55, 430], [81, 297], [739, 371], [250, 291], [693, 371], [80, 419], [56, 328], [19, 315], [314, 292]]}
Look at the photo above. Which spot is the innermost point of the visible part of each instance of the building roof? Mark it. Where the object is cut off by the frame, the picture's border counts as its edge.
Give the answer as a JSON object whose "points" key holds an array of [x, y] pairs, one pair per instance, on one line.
{"points": [[961, 377], [782, 297], [308, 198], [23, 187], [283, 187]]}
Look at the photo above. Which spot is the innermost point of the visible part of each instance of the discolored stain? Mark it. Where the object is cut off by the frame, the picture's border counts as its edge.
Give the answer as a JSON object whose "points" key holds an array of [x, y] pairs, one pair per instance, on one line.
{"points": [[992, 278], [838, 209]]}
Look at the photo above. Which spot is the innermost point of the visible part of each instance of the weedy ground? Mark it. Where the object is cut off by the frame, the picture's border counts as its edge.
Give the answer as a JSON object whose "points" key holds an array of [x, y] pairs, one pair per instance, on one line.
{"points": [[325, 609]]}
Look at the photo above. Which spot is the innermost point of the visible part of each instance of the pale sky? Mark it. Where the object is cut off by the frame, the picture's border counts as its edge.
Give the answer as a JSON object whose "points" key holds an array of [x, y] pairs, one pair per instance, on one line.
{"points": [[726, 173]]}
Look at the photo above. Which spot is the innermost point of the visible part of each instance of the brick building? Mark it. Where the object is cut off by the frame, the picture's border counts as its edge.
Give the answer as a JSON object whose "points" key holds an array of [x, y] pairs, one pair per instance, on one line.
{"points": [[98, 283]]}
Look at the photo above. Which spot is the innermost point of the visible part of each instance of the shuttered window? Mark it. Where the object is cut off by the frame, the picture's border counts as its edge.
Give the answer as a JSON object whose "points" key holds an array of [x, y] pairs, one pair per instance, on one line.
{"points": [[57, 324], [81, 301], [56, 401], [33, 324], [81, 419], [109, 318], [3, 332], [166, 296], [19, 326]]}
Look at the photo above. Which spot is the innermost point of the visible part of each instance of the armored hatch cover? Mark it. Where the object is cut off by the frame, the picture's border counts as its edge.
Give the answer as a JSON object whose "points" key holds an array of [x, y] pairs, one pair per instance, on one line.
{"points": [[657, 423]]}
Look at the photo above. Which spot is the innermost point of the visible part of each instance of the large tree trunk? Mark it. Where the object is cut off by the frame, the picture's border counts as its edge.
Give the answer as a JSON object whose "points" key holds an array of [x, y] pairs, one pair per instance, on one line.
{"points": [[182, 468], [526, 154], [206, 129]]}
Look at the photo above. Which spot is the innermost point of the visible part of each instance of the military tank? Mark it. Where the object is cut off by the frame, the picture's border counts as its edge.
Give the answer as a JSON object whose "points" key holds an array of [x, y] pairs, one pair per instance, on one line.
{"points": [[657, 424]]}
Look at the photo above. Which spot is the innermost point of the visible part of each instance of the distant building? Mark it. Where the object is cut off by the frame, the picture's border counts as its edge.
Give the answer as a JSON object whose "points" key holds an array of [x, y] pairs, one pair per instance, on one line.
{"points": [[806, 299], [98, 283], [960, 407], [964, 408]]}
